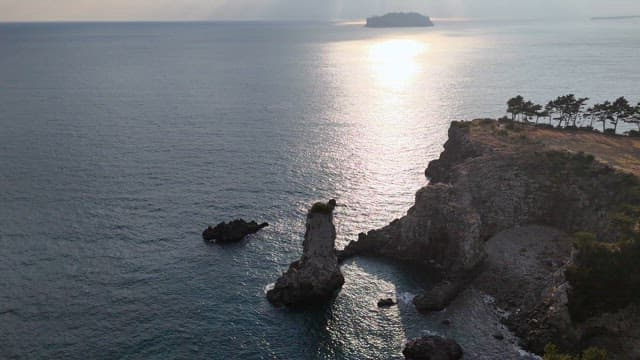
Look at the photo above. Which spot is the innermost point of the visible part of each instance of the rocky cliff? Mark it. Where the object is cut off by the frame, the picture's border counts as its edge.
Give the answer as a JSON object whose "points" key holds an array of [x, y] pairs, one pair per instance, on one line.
{"points": [[316, 277], [494, 177]]}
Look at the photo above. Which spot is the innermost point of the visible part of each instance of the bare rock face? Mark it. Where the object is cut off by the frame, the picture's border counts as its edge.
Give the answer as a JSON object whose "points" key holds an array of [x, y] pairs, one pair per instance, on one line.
{"points": [[316, 277], [524, 273], [432, 348]]}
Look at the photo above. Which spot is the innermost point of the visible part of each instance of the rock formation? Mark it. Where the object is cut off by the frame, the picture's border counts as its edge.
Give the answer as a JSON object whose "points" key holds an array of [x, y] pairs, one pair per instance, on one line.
{"points": [[386, 302], [316, 277], [432, 348], [234, 231], [494, 177], [439, 296]]}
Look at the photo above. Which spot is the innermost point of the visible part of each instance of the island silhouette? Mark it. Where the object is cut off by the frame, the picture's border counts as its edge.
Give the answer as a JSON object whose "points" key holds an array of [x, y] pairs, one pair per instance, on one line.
{"points": [[398, 19]]}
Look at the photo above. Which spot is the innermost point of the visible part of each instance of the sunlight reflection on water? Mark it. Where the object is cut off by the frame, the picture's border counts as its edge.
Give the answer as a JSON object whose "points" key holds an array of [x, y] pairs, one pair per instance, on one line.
{"points": [[393, 62]]}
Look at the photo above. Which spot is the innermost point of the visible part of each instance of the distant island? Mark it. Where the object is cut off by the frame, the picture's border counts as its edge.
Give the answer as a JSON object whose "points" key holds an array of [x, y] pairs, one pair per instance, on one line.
{"points": [[399, 20], [616, 17]]}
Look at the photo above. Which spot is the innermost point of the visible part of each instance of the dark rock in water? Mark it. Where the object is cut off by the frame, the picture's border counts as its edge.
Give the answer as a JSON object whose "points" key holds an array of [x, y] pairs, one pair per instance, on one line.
{"points": [[234, 231], [498, 336], [438, 297], [399, 20], [432, 348], [386, 302], [446, 322], [316, 277]]}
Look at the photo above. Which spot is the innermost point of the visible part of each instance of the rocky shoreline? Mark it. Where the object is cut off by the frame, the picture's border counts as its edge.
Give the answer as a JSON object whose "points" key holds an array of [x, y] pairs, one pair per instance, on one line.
{"points": [[497, 215]]}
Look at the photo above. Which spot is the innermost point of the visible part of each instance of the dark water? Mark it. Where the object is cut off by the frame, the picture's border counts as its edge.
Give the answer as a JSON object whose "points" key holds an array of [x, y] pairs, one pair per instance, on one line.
{"points": [[120, 142]]}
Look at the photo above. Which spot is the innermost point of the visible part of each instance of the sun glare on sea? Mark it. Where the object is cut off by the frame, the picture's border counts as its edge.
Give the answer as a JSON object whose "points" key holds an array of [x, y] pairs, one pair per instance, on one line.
{"points": [[394, 62]]}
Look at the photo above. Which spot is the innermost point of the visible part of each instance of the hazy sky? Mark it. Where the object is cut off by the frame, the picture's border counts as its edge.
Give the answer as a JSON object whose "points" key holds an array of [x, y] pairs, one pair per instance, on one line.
{"points": [[27, 10]]}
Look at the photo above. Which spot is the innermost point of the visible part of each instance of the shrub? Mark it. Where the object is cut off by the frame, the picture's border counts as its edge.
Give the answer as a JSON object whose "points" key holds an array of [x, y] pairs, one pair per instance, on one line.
{"points": [[505, 120], [605, 276], [592, 353], [610, 132], [323, 208], [489, 121], [465, 126]]}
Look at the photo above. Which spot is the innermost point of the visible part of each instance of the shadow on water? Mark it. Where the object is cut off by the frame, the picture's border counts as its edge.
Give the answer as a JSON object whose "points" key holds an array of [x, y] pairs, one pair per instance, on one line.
{"points": [[359, 328]]}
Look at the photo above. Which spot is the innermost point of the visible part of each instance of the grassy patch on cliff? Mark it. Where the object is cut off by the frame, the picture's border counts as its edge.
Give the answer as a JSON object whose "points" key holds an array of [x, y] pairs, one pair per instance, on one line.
{"points": [[620, 152]]}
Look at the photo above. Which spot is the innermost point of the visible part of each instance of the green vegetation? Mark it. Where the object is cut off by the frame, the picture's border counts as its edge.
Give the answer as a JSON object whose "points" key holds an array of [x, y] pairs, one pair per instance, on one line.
{"points": [[568, 112], [605, 276], [323, 208], [551, 353]]}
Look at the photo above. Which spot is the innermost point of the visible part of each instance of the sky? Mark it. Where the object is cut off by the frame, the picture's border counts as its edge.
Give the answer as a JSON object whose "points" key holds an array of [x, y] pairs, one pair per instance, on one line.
{"points": [[86, 10]]}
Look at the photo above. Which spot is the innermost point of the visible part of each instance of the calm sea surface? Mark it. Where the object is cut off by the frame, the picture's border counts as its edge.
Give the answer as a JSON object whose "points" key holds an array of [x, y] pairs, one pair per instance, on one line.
{"points": [[120, 143]]}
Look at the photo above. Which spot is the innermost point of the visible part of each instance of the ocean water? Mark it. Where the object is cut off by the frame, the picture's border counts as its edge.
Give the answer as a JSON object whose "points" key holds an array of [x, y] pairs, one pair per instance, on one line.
{"points": [[121, 142]]}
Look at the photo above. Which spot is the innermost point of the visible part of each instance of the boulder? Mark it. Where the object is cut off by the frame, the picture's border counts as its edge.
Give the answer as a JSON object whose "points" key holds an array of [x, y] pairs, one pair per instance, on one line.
{"points": [[432, 348], [438, 297], [386, 302], [234, 231]]}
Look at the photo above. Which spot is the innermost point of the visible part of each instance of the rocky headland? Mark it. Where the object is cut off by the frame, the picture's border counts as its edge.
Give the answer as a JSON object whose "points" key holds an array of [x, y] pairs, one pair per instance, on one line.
{"points": [[500, 213], [315, 278]]}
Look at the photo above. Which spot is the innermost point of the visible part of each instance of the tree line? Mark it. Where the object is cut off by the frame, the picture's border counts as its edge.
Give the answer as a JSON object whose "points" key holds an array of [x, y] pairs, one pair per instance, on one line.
{"points": [[569, 111]]}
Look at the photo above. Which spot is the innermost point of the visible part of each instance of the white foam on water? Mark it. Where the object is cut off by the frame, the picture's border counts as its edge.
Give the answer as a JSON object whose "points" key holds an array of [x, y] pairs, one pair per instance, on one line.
{"points": [[488, 299], [268, 287], [406, 297], [527, 355]]}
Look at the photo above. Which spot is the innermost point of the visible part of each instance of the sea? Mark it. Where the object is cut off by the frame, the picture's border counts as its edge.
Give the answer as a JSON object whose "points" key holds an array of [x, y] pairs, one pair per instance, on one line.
{"points": [[121, 142]]}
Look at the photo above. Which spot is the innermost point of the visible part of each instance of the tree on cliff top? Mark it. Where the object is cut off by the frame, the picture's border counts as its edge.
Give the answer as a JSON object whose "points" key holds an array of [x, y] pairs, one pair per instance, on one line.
{"points": [[568, 108], [635, 116], [600, 113], [621, 110], [527, 109], [515, 106]]}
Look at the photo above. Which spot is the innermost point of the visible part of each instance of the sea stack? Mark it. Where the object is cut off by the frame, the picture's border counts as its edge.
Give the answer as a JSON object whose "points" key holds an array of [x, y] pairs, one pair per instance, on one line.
{"points": [[316, 277]]}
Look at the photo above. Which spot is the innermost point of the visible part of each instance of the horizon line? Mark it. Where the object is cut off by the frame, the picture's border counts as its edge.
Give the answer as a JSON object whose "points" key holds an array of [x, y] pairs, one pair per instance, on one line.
{"points": [[286, 20]]}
